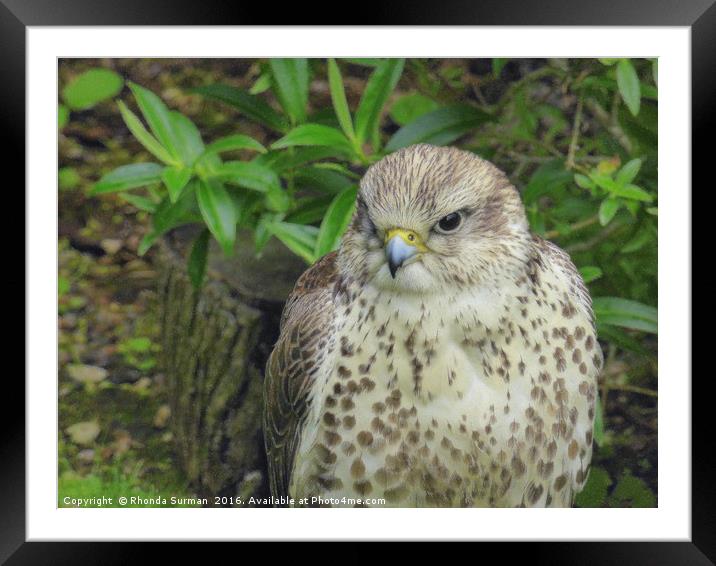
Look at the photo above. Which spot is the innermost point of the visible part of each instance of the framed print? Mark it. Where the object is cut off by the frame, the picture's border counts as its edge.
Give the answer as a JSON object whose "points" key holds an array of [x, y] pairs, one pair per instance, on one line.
{"points": [[422, 268]]}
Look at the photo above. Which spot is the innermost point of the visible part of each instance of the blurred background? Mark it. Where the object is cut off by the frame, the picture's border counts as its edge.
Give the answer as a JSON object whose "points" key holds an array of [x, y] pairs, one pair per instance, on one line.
{"points": [[192, 193]]}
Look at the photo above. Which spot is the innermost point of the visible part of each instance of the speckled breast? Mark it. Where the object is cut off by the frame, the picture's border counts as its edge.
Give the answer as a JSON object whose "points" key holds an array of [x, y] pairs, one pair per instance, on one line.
{"points": [[461, 402]]}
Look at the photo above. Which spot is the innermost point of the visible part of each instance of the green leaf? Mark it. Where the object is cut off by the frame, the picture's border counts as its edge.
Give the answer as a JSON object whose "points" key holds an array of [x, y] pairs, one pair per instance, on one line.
{"points": [[63, 116], [629, 86], [336, 221], [547, 178], [283, 161], [603, 181], [246, 204], [609, 62], [595, 490], [140, 202], [143, 136], [629, 172], [497, 65], [300, 239], [643, 237], [340, 104], [291, 82], [233, 143], [607, 210], [198, 259], [439, 127], [590, 273], [248, 174], [632, 492], [363, 61], [320, 179], [251, 106], [139, 344], [325, 116], [68, 178], [655, 71], [262, 234], [218, 212], [175, 179], [310, 210], [187, 137], [129, 177], [340, 168], [632, 192], [262, 84], [649, 92], [554, 119], [315, 135], [278, 199], [626, 313], [536, 220], [410, 107], [621, 338], [159, 118], [376, 93], [584, 182], [92, 87], [169, 215], [63, 286]]}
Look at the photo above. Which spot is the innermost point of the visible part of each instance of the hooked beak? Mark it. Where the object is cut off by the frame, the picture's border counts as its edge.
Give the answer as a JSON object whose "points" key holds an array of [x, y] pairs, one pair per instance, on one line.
{"points": [[400, 245]]}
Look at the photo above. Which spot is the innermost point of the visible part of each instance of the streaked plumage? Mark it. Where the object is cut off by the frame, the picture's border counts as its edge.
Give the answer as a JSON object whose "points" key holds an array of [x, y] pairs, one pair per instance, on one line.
{"points": [[462, 374]]}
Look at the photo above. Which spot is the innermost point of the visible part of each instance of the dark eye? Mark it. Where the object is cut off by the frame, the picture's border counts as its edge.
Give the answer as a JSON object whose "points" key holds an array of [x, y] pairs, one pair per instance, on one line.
{"points": [[449, 223]]}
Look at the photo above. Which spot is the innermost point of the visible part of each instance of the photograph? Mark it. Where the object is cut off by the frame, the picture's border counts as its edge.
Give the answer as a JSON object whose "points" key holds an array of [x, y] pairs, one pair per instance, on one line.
{"points": [[426, 278], [358, 282]]}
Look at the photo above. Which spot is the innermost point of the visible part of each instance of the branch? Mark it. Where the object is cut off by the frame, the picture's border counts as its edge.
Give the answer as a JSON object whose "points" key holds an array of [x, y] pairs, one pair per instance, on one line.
{"points": [[575, 134], [599, 237], [572, 227], [604, 118]]}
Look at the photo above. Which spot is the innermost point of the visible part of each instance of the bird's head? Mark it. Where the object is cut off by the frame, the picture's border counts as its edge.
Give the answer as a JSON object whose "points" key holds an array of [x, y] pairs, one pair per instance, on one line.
{"points": [[433, 218]]}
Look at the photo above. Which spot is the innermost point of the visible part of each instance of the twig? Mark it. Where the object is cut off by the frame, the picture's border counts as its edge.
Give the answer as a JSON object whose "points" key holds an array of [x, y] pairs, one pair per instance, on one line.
{"points": [[573, 227], [599, 237], [532, 76], [575, 134], [633, 389], [543, 159], [612, 126]]}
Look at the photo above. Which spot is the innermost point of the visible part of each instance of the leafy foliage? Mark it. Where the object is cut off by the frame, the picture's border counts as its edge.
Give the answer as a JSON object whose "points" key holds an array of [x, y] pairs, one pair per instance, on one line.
{"points": [[86, 91], [597, 172]]}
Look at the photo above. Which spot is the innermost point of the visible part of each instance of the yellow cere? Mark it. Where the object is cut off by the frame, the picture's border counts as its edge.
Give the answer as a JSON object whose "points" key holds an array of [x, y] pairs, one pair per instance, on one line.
{"points": [[408, 236]]}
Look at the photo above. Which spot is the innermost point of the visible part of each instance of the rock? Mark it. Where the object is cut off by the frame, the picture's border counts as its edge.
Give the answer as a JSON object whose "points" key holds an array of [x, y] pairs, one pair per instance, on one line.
{"points": [[125, 375], [142, 384], [161, 418], [86, 456], [68, 321], [86, 374], [111, 246], [83, 433], [122, 442]]}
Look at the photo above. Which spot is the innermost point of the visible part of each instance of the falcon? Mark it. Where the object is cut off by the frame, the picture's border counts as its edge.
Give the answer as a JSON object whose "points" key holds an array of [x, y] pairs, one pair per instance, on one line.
{"points": [[444, 356]]}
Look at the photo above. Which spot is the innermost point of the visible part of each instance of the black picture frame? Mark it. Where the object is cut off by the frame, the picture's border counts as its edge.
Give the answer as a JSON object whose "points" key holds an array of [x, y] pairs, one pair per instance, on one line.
{"points": [[699, 15]]}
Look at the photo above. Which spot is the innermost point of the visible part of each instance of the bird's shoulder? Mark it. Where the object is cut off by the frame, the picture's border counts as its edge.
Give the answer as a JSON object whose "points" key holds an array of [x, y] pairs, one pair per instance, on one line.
{"points": [[549, 256], [316, 282], [294, 364]]}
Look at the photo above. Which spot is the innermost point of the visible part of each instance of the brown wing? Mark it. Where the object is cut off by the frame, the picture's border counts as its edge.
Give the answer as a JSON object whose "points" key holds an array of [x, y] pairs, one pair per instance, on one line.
{"points": [[304, 342], [557, 257]]}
